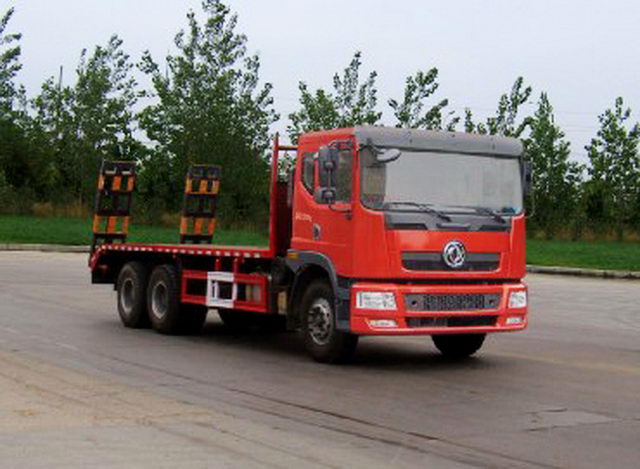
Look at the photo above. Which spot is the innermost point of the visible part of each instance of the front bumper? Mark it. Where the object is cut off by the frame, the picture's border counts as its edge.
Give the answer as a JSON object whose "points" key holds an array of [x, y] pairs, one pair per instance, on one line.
{"points": [[414, 320]]}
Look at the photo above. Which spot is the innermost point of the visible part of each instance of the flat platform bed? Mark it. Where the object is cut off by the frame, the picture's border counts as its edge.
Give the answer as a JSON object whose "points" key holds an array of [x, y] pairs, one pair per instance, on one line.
{"points": [[255, 252]]}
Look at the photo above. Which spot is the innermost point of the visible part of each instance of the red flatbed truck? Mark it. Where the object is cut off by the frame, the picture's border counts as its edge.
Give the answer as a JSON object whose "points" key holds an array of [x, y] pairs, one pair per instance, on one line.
{"points": [[379, 231]]}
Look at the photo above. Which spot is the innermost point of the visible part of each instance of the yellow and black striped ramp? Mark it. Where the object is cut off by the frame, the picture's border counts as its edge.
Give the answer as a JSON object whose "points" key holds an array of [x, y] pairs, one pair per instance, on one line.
{"points": [[199, 207], [112, 210]]}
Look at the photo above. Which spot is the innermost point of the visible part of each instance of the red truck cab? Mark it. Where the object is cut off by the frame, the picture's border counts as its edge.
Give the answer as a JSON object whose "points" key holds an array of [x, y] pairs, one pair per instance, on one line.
{"points": [[419, 232]]}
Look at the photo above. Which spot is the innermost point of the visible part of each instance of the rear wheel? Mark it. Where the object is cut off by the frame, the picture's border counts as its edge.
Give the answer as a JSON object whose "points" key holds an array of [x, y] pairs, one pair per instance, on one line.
{"points": [[321, 338], [163, 300], [458, 345], [132, 295]]}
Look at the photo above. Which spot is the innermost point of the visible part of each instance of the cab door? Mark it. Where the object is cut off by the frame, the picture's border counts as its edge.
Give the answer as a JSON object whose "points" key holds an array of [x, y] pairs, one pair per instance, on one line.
{"points": [[322, 227]]}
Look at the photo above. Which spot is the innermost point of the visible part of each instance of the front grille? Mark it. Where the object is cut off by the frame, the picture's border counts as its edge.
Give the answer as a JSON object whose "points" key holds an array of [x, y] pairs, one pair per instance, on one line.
{"points": [[476, 261], [452, 302], [453, 321]]}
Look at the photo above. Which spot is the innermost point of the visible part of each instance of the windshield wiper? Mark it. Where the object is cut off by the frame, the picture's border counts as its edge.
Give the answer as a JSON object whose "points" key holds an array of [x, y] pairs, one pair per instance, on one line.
{"points": [[422, 207], [487, 211]]}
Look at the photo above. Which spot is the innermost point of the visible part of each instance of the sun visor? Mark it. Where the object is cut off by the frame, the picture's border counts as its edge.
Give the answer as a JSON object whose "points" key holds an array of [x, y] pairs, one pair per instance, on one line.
{"points": [[446, 142]]}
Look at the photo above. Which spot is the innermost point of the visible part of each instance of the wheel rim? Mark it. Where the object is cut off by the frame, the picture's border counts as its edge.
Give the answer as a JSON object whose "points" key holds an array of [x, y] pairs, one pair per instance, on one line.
{"points": [[159, 300], [320, 321], [127, 295]]}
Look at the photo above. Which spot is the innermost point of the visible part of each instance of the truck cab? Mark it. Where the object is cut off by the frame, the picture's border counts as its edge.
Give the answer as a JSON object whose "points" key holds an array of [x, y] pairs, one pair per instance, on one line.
{"points": [[411, 232]]}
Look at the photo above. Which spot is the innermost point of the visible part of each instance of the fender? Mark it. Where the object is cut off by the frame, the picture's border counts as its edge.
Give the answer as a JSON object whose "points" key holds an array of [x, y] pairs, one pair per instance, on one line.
{"points": [[296, 260]]}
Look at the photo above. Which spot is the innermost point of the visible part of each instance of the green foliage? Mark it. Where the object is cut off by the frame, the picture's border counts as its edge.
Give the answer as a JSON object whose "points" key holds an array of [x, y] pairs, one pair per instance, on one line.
{"points": [[210, 109], [505, 122], [9, 65], [77, 231], [556, 180], [586, 254], [16, 159], [92, 120], [409, 113], [614, 188], [208, 105], [352, 103]]}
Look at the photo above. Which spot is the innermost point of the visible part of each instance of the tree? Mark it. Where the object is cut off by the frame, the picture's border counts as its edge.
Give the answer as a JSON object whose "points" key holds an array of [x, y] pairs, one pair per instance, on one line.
{"points": [[91, 120], [556, 179], [210, 109], [409, 112], [9, 66], [614, 188], [15, 163], [352, 103], [505, 122]]}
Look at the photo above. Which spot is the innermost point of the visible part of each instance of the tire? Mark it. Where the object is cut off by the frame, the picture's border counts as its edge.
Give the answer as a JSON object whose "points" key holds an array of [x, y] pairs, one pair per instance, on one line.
{"points": [[163, 300], [132, 295], [458, 345], [322, 340]]}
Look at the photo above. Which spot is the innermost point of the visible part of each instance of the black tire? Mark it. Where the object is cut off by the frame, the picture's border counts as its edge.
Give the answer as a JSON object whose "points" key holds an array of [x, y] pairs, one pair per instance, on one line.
{"points": [[163, 300], [458, 345], [323, 341], [132, 295]]}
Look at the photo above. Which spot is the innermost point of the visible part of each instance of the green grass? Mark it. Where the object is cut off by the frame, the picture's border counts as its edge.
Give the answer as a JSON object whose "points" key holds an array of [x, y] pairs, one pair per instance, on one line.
{"points": [[607, 255], [77, 231]]}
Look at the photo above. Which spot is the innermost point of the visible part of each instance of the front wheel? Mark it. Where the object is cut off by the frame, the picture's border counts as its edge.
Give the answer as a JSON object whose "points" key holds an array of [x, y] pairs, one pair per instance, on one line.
{"points": [[321, 338], [458, 345]]}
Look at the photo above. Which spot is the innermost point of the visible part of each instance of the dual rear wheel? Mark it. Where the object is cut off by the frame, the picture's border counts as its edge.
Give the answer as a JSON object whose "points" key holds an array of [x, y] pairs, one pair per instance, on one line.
{"points": [[155, 300]]}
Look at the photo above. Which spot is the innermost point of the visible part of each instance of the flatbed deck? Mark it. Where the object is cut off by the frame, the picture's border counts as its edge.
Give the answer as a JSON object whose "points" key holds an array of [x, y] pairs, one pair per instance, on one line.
{"points": [[255, 252]]}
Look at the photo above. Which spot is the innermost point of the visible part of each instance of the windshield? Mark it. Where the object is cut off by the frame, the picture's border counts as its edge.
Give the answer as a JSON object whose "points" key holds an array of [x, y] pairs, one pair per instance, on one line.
{"points": [[446, 181]]}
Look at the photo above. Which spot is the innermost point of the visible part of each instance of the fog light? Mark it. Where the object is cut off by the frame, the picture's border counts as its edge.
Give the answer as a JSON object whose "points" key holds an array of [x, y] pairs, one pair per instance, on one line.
{"points": [[513, 320], [518, 299], [383, 323]]}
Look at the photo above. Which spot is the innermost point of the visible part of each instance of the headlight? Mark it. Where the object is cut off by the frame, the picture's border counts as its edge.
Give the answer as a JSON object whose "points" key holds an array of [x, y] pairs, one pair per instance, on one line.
{"points": [[518, 299], [375, 300]]}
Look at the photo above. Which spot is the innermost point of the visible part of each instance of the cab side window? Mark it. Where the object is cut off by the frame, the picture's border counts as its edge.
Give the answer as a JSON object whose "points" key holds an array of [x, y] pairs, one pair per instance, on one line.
{"points": [[344, 176], [308, 172]]}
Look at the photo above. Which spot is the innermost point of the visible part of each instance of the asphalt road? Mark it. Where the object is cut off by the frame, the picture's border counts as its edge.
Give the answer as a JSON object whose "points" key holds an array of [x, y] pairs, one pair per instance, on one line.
{"points": [[77, 389]]}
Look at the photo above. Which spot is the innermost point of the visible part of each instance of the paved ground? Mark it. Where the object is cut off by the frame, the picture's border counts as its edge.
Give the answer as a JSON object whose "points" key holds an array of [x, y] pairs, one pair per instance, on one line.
{"points": [[77, 389]]}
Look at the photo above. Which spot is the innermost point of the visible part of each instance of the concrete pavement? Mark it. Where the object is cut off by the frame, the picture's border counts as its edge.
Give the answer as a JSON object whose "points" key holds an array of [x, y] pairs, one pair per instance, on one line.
{"points": [[78, 388]]}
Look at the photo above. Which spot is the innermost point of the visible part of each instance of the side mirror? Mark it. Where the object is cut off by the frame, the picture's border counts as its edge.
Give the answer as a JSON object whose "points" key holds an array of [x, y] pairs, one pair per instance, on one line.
{"points": [[327, 165], [527, 178]]}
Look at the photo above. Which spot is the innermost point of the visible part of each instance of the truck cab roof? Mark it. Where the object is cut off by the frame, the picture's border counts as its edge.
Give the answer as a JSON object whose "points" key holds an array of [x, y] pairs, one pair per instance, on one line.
{"points": [[425, 140]]}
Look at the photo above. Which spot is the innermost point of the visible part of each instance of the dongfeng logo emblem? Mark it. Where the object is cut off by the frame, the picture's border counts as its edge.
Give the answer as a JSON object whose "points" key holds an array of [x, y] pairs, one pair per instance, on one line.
{"points": [[454, 254]]}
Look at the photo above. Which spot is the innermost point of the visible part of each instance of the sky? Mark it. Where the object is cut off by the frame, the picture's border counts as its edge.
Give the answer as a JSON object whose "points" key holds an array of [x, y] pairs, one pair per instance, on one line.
{"points": [[583, 53]]}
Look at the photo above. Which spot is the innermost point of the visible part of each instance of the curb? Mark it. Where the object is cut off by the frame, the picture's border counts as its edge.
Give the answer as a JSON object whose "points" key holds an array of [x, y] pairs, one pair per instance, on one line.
{"points": [[533, 269], [597, 273], [43, 248]]}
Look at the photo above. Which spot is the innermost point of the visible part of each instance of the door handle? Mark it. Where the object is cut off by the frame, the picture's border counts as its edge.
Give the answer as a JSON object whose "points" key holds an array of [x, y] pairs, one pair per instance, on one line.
{"points": [[317, 232]]}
